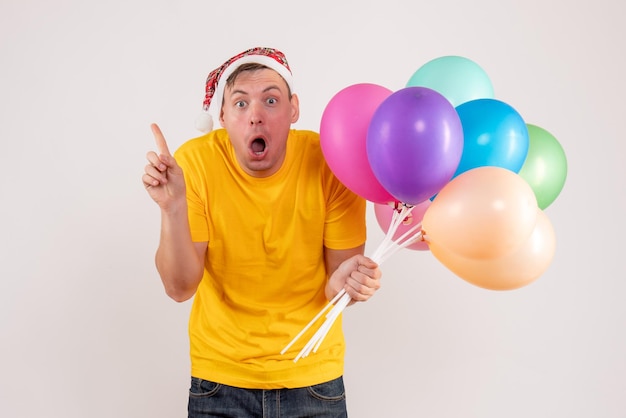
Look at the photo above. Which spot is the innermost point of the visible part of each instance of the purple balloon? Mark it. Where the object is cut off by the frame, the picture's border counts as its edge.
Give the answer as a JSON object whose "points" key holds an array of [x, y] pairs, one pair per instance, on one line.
{"points": [[414, 143]]}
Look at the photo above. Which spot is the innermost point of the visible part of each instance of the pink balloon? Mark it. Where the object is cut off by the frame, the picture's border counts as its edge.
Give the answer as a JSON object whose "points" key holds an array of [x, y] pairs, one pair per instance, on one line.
{"points": [[511, 271], [343, 133], [484, 212], [384, 213]]}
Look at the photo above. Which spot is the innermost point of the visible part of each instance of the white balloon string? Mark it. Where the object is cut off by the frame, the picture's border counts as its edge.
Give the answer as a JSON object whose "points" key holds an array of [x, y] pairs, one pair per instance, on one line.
{"points": [[341, 305], [388, 241], [331, 303], [409, 235], [319, 336], [411, 240], [393, 226]]}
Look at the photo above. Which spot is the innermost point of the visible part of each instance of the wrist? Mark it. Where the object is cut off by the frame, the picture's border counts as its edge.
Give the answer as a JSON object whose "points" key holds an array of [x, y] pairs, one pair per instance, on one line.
{"points": [[332, 288], [175, 208]]}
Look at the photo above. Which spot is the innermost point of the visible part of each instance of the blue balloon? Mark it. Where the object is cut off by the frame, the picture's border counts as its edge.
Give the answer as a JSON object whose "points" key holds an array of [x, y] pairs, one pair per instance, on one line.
{"points": [[494, 135]]}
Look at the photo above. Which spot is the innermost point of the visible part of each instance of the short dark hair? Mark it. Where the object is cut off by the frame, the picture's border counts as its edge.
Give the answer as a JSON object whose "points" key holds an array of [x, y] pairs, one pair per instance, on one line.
{"points": [[251, 66]]}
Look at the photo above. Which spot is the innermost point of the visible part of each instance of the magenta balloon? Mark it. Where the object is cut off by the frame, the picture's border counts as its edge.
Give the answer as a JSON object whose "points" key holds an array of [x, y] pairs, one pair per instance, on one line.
{"points": [[414, 143], [343, 133]]}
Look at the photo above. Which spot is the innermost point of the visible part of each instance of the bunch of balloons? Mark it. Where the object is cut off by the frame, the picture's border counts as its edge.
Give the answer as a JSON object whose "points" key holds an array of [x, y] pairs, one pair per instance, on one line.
{"points": [[475, 175], [449, 169]]}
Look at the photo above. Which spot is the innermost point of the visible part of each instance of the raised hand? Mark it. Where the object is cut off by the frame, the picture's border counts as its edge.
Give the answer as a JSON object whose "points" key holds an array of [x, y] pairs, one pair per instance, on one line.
{"points": [[163, 177]]}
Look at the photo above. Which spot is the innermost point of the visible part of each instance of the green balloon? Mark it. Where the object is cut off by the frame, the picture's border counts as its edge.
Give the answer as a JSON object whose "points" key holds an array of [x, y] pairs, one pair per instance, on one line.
{"points": [[545, 167]]}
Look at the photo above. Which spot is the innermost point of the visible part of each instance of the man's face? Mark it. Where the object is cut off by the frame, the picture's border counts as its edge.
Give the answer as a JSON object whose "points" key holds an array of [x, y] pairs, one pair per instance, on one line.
{"points": [[258, 114]]}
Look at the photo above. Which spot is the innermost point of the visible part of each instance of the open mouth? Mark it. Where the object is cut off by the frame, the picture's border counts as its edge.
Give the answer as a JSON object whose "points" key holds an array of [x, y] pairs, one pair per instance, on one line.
{"points": [[258, 146]]}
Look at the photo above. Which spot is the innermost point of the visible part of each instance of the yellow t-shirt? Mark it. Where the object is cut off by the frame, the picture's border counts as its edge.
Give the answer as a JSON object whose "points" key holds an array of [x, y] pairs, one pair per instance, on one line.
{"points": [[264, 273]]}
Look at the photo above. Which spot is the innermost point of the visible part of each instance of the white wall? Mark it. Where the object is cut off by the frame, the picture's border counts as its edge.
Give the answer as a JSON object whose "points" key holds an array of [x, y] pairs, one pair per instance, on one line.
{"points": [[85, 327]]}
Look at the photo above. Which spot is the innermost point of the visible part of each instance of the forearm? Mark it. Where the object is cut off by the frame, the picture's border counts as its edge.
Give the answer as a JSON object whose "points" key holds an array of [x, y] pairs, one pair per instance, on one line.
{"points": [[333, 258], [177, 259]]}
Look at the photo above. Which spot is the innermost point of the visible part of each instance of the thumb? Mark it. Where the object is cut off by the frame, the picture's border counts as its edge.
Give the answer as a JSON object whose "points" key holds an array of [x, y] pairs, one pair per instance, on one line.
{"points": [[160, 140]]}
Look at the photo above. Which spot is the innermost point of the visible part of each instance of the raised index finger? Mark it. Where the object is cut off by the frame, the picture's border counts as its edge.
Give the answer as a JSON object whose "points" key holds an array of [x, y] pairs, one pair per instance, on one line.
{"points": [[160, 140]]}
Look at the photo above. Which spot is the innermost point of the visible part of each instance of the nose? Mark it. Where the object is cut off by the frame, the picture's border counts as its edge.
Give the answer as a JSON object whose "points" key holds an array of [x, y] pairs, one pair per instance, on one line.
{"points": [[255, 115]]}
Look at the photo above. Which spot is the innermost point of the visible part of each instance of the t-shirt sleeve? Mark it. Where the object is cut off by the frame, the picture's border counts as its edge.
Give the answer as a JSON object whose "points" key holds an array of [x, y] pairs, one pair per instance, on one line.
{"points": [[345, 219]]}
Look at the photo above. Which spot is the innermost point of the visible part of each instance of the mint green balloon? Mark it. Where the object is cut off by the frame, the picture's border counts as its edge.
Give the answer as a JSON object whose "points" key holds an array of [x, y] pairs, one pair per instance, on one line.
{"points": [[458, 79], [545, 167]]}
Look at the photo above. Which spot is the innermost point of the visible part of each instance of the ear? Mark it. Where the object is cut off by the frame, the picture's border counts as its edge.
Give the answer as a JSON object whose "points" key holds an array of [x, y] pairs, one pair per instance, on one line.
{"points": [[295, 108]]}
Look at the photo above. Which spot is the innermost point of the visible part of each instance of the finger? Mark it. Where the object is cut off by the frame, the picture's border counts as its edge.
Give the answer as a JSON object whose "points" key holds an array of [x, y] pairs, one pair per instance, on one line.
{"points": [[368, 280], [160, 140], [373, 273], [156, 161], [156, 173], [149, 181], [359, 292]]}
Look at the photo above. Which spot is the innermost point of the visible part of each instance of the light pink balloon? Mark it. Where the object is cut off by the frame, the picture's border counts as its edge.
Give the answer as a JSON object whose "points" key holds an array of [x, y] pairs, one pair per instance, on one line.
{"points": [[485, 212], [343, 133], [511, 271], [384, 213]]}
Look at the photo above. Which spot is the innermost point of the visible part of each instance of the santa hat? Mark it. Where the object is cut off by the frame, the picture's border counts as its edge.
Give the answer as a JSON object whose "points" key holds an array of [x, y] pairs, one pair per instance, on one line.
{"points": [[216, 80]]}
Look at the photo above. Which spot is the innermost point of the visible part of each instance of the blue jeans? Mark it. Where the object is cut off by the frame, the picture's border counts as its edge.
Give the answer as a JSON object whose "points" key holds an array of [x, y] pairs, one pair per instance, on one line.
{"points": [[210, 399]]}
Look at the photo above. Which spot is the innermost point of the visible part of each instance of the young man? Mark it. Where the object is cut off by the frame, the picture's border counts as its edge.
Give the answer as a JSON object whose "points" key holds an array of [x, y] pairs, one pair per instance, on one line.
{"points": [[258, 230]]}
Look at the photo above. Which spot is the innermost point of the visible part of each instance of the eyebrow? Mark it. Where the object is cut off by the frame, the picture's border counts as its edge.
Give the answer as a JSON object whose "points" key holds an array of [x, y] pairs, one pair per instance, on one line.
{"points": [[272, 87]]}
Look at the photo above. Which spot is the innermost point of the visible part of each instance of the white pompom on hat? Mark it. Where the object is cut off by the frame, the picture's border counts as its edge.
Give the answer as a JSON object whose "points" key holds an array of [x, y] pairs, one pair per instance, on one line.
{"points": [[216, 80]]}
